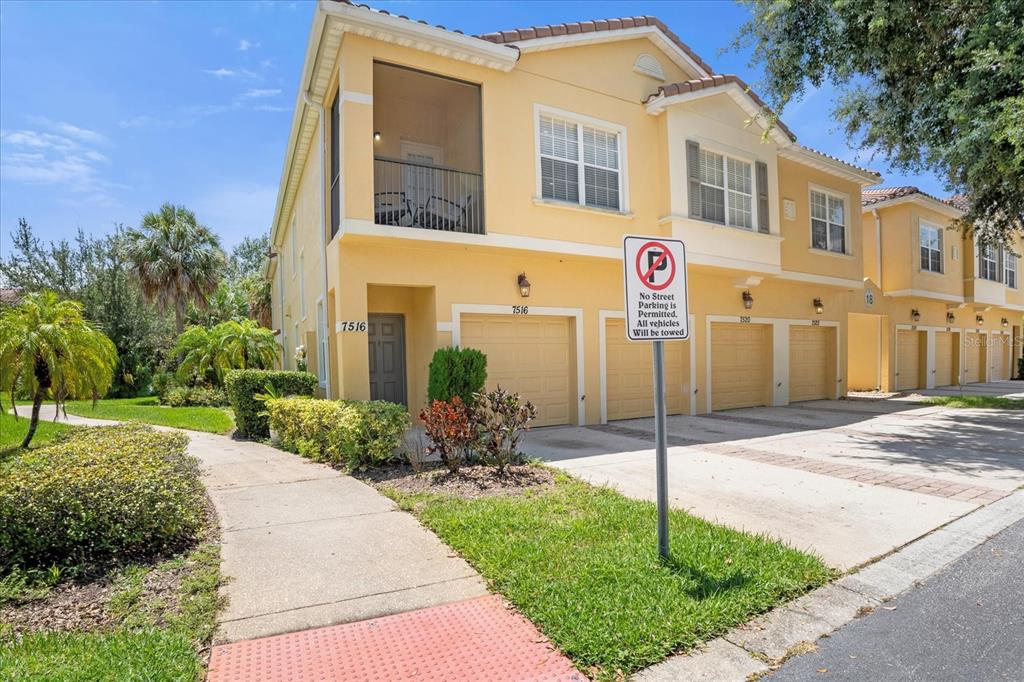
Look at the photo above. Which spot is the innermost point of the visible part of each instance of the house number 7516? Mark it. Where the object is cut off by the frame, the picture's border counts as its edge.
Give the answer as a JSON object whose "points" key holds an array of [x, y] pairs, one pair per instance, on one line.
{"points": [[520, 310]]}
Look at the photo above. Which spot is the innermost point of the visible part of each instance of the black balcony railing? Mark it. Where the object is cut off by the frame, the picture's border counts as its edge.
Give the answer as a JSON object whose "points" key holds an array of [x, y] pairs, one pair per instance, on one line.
{"points": [[431, 197]]}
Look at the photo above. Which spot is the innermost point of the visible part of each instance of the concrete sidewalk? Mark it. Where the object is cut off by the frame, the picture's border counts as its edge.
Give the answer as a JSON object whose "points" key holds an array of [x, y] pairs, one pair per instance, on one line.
{"points": [[304, 545]]}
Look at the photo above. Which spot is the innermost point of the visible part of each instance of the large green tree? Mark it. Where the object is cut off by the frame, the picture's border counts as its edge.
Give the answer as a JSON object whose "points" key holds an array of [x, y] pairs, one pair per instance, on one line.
{"points": [[177, 260], [932, 86], [48, 348]]}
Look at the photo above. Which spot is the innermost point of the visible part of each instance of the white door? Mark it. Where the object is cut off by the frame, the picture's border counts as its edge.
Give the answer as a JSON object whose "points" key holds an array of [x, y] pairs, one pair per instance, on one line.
{"points": [[421, 183]]}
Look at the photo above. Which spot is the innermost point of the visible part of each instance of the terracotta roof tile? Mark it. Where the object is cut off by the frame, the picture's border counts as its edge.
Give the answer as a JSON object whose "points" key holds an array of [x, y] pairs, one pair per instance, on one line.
{"points": [[351, 3], [592, 26], [876, 195]]}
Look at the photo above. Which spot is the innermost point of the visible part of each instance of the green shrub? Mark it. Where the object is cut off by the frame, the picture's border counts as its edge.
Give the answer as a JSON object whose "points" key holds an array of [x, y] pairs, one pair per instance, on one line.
{"points": [[350, 433], [163, 382], [456, 372], [500, 418], [101, 494], [195, 396], [243, 385]]}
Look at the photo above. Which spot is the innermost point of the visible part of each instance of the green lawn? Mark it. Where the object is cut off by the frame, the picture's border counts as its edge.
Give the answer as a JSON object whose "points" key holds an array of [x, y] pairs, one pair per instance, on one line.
{"points": [[150, 643], [973, 401], [581, 563], [150, 411], [13, 429]]}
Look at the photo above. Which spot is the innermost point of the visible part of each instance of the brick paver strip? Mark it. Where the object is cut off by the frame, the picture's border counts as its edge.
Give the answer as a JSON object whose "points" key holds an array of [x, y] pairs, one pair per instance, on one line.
{"points": [[475, 639]]}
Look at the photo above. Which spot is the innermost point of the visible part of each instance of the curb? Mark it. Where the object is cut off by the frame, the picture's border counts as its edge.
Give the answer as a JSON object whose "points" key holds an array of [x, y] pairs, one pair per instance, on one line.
{"points": [[757, 647]]}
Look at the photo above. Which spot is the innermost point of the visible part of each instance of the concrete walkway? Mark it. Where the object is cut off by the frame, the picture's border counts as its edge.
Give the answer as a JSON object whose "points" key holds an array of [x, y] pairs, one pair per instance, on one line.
{"points": [[304, 545]]}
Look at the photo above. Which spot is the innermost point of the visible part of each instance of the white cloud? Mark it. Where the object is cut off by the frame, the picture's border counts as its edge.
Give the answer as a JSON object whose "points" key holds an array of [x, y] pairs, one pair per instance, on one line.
{"points": [[244, 45], [219, 73], [270, 107], [80, 133], [262, 92]]}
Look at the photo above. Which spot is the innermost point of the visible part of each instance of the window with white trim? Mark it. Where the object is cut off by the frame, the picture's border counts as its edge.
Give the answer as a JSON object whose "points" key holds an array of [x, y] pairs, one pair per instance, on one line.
{"points": [[828, 222], [1010, 269], [931, 247], [321, 344], [726, 190], [574, 155], [988, 262]]}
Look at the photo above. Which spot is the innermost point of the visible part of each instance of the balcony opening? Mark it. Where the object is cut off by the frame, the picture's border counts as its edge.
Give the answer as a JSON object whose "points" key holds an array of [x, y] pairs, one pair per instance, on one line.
{"points": [[427, 168]]}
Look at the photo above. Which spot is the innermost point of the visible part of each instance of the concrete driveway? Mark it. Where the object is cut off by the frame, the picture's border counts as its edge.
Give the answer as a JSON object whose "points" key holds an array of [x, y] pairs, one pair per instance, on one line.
{"points": [[850, 480]]}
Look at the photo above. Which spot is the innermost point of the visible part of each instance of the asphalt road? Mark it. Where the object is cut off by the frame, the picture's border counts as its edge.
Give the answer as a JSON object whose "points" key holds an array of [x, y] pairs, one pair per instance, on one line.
{"points": [[965, 623]]}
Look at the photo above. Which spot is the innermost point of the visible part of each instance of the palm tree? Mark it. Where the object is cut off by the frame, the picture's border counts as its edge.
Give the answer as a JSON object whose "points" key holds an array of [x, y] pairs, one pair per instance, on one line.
{"points": [[229, 345], [47, 346], [176, 259]]}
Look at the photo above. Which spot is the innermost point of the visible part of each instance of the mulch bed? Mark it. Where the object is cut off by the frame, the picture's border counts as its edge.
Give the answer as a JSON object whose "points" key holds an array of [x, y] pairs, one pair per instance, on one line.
{"points": [[471, 481]]}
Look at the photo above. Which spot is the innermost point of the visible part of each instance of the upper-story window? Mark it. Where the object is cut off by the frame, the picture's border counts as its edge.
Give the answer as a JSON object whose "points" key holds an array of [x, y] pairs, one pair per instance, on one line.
{"points": [[726, 190], [828, 221], [931, 247], [1010, 269], [574, 154], [988, 262]]}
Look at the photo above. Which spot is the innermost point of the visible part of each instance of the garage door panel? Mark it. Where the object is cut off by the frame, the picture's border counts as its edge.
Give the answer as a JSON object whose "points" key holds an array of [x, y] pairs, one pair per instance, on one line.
{"points": [[997, 349], [528, 355], [908, 354], [740, 365], [809, 359], [629, 374], [944, 358], [972, 358]]}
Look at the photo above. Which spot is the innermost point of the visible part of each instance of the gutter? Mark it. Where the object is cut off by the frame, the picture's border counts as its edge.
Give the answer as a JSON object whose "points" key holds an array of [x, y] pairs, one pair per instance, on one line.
{"points": [[319, 106]]}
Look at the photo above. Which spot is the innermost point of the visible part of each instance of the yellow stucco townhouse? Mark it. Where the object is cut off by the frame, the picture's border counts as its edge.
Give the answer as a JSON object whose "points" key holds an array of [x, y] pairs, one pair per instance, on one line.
{"points": [[440, 189], [949, 310]]}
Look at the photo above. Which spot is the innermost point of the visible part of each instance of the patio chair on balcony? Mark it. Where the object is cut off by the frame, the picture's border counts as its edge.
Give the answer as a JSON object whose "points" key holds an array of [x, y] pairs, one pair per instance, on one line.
{"points": [[392, 208], [443, 214]]}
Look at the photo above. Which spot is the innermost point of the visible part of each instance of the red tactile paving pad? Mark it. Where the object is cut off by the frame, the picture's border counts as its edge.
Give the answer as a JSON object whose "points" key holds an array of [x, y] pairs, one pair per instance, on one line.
{"points": [[475, 639]]}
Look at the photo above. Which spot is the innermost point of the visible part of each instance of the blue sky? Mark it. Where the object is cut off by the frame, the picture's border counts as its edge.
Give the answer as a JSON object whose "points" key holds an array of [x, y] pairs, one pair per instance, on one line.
{"points": [[108, 109]]}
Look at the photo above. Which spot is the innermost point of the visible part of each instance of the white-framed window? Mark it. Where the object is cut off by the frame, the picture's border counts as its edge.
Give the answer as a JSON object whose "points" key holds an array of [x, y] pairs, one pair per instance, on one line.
{"points": [[828, 221], [1010, 269], [321, 343], [580, 161], [988, 262], [302, 284], [930, 237], [726, 190]]}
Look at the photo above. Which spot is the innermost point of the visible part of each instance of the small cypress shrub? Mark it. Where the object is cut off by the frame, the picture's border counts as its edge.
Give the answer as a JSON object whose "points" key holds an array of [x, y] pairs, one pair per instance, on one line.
{"points": [[456, 372]]}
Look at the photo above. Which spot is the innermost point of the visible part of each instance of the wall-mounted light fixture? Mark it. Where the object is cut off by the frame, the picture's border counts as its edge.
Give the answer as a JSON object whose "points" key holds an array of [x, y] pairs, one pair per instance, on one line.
{"points": [[950, 318], [915, 315], [524, 285], [748, 299], [1005, 322], [979, 319], [819, 307], [376, 136]]}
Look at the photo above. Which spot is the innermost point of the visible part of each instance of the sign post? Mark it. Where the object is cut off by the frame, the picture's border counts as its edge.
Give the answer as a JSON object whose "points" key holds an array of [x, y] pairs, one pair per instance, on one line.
{"points": [[657, 310]]}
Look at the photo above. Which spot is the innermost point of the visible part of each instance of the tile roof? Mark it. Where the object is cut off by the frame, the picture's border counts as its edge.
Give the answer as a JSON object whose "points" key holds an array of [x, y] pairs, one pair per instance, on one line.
{"points": [[698, 84], [876, 195], [592, 26], [351, 3]]}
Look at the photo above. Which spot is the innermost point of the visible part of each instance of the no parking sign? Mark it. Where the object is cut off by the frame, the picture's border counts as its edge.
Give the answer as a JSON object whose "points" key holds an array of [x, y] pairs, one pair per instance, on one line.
{"points": [[656, 296]]}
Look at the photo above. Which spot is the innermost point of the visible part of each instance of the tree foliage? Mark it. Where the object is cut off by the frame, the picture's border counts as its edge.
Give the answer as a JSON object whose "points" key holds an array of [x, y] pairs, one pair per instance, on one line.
{"points": [[47, 348], [209, 354], [177, 260], [931, 86]]}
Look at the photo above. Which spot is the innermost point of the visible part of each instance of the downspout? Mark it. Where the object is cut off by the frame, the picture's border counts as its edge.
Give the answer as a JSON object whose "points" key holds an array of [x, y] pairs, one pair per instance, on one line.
{"points": [[323, 229], [878, 266]]}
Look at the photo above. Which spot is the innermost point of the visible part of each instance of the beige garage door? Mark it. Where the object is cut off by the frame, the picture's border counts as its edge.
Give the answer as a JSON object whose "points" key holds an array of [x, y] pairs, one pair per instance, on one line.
{"points": [[741, 364], [530, 355], [997, 351], [908, 354], [809, 359], [629, 375], [972, 358], [943, 358]]}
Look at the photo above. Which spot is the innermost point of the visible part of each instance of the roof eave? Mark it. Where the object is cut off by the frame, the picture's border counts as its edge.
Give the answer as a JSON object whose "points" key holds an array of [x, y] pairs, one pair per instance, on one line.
{"points": [[656, 105], [809, 157], [916, 198]]}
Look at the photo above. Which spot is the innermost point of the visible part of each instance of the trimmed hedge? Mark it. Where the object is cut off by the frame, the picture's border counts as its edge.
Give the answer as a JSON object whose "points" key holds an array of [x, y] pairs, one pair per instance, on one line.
{"points": [[101, 494], [243, 385], [456, 372], [194, 396], [350, 433]]}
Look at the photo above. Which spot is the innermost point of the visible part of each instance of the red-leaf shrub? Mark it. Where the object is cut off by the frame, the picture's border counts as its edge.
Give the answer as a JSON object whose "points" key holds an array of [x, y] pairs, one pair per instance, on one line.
{"points": [[448, 426]]}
